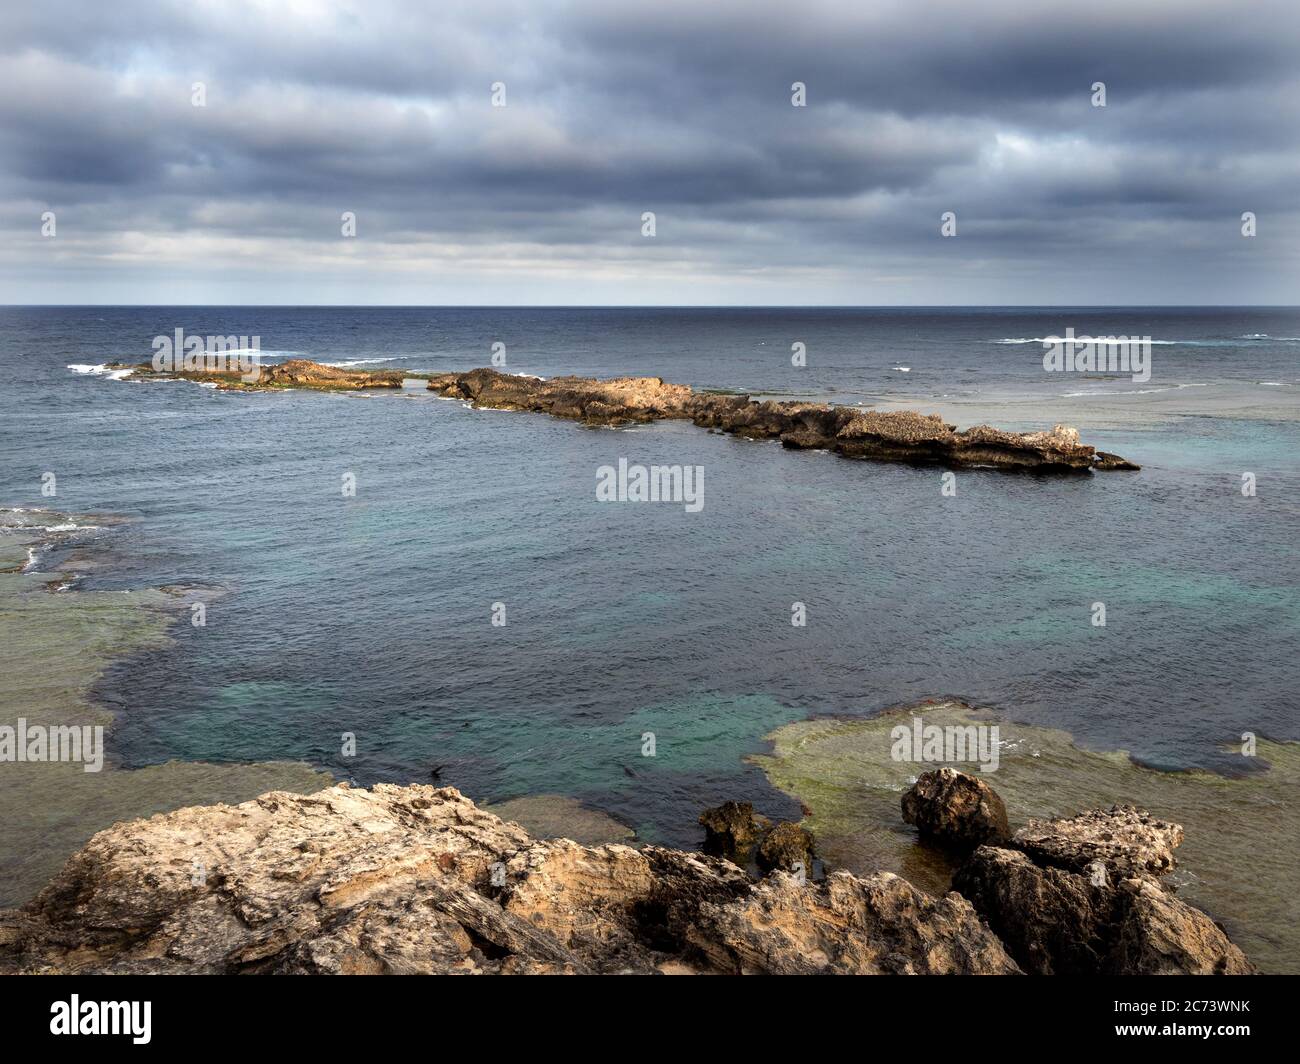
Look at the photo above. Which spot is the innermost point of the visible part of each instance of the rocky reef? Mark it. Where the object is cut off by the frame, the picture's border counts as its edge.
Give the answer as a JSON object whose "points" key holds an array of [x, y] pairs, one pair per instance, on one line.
{"points": [[418, 879], [854, 432], [894, 436], [296, 373]]}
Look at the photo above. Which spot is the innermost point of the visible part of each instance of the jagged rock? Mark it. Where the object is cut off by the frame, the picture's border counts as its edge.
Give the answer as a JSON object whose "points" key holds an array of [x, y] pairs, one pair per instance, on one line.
{"points": [[1124, 840], [1050, 921], [303, 373], [418, 879], [1161, 935], [1078, 896], [1107, 461], [599, 402], [735, 832], [787, 848], [956, 809], [849, 926], [732, 830]]}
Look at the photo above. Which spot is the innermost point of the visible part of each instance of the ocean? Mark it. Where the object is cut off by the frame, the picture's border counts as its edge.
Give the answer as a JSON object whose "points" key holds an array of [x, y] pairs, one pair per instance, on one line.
{"points": [[370, 615]]}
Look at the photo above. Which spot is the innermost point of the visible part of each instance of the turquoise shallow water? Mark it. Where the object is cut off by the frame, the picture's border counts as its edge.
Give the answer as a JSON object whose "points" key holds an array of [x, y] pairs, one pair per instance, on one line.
{"points": [[371, 615]]}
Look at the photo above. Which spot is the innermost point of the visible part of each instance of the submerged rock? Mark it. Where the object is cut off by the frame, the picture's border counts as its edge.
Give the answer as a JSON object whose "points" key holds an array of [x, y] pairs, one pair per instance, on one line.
{"points": [[419, 879], [956, 810]]}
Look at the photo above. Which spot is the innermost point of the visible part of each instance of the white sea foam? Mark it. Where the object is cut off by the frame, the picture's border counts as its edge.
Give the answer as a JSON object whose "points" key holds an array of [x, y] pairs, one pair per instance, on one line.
{"points": [[102, 370], [350, 362], [1101, 392], [1101, 340], [1162, 343]]}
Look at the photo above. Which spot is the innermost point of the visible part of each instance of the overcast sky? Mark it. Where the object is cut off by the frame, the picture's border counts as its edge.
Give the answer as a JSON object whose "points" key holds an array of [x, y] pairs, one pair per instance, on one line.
{"points": [[914, 108]]}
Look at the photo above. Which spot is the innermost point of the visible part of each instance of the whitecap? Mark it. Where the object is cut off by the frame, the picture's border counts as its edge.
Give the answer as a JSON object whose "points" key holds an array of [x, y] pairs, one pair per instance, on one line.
{"points": [[1104, 341]]}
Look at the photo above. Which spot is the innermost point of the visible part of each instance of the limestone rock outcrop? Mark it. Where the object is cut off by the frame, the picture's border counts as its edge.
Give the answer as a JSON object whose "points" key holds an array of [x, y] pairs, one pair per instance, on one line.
{"points": [[1080, 896], [295, 373], [1123, 839], [898, 436], [419, 879]]}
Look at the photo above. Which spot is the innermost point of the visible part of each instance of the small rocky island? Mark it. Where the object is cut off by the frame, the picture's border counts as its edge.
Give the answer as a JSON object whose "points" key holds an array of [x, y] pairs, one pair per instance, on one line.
{"points": [[854, 432], [419, 879]]}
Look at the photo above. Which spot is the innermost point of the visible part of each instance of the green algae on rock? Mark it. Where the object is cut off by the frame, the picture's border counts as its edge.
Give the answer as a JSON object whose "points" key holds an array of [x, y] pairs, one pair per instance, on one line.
{"points": [[1237, 864], [53, 649]]}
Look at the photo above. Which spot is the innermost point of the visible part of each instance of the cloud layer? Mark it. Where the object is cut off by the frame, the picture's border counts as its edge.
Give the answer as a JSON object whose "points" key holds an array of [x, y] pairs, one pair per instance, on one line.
{"points": [[316, 108]]}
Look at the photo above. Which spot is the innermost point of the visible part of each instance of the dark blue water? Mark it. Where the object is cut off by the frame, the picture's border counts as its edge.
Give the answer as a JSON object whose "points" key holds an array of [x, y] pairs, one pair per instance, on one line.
{"points": [[372, 615]]}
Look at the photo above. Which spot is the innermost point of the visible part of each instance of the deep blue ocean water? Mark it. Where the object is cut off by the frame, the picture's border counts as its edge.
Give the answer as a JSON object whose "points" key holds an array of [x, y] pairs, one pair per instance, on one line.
{"points": [[371, 614]]}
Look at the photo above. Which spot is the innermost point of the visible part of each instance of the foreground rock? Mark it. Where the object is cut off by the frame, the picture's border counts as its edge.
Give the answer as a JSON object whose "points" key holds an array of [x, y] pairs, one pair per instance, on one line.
{"points": [[418, 879], [897, 436], [1080, 896], [956, 810]]}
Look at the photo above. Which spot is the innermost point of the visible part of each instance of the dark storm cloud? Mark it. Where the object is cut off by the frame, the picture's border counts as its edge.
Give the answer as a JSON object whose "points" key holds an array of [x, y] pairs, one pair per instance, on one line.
{"points": [[614, 109]]}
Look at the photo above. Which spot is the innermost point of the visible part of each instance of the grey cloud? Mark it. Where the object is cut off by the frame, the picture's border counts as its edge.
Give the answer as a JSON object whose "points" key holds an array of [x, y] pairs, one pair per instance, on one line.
{"points": [[914, 109]]}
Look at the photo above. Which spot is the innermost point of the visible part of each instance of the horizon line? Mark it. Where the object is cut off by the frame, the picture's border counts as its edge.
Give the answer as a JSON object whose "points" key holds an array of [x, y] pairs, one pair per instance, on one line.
{"points": [[673, 306]]}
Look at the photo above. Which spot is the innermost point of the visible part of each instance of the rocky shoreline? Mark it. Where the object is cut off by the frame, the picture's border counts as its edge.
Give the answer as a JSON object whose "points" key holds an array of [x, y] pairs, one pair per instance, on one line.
{"points": [[418, 879], [854, 432]]}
